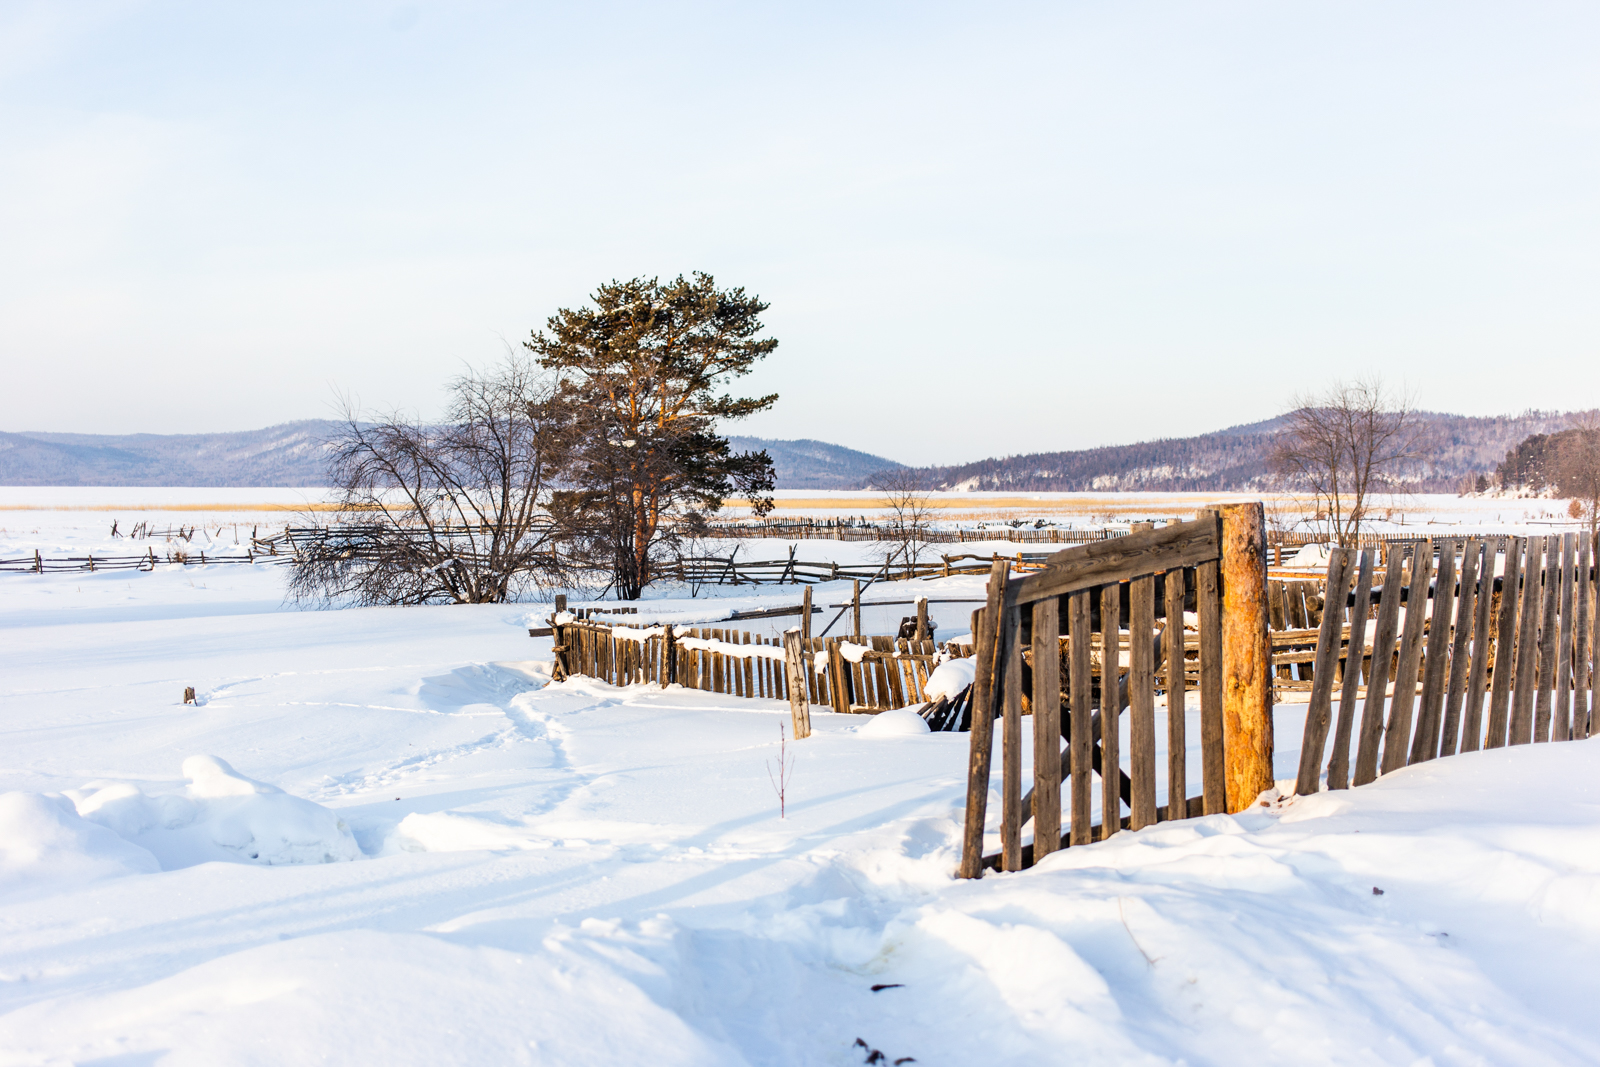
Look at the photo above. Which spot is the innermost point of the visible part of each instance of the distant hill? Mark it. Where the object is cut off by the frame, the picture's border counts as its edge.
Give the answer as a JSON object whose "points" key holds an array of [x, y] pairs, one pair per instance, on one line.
{"points": [[809, 464], [1236, 459], [286, 455], [292, 455]]}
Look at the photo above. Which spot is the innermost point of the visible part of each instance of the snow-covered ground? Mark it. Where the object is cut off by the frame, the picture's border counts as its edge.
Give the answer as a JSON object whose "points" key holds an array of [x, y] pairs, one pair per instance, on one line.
{"points": [[382, 837]]}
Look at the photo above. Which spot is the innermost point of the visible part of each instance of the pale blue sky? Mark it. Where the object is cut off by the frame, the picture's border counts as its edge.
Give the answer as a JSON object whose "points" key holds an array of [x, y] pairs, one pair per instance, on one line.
{"points": [[983, 229]]}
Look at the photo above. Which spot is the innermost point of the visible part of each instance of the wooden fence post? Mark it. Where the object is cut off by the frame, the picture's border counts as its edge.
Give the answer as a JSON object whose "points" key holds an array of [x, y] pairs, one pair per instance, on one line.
{"points": [[838, 677], [855, 608], [1246, 656], [980, 753], [558, 670], [805, 614], [794, 659], [669, 658]]}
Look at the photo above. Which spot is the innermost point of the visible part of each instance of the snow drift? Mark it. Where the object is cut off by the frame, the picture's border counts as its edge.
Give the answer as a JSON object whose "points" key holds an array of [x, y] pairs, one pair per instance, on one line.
{"points": [[222, 815]]}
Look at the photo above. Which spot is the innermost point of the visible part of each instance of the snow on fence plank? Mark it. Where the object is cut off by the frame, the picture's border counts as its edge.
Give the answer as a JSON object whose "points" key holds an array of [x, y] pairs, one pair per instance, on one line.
{"points": [[870, 675]]}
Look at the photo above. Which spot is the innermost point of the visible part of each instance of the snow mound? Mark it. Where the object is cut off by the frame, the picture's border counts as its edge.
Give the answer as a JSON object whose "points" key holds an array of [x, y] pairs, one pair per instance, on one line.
{"points": [[445, 831], [222, 815], [1310, 556], [364, 997], [212, 777], [901, 722], [950, 678], [44, 842]]}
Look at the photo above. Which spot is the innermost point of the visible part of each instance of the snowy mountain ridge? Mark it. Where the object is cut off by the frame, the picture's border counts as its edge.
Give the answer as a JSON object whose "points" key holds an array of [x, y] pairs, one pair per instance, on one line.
{"points": [[292, 455]]}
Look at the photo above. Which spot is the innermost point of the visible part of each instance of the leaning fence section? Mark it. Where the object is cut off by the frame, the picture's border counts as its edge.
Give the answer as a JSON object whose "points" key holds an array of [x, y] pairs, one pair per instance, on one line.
{"points": [[1475, 643], [1036, 643]]}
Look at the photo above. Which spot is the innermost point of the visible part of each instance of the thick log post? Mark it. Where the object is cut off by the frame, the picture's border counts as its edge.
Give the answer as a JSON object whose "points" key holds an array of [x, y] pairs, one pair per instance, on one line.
{"points": [[794, 659], [1246, 656]]}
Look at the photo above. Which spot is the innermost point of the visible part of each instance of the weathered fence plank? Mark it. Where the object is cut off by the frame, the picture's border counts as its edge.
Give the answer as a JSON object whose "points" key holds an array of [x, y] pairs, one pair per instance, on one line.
{"points": [[1177, 742], [1549, 642], [1383, 652], [1091, 565], [1339, 764], [1110, 709], [1081, 684], [1319, 712], [1425, 743], [799, 705], [1581, 723], [1142, 700], [980, 742], [1397, 732], [1208, 583], [1483, 645], [1046, 727], [1011, 745], [1561, 720], [1461, 647], [1527, 668], [1506, 633]]}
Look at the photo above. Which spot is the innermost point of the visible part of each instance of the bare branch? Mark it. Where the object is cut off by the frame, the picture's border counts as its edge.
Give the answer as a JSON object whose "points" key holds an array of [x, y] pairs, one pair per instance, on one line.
{"points": [[1346, 444], [441, 513]]}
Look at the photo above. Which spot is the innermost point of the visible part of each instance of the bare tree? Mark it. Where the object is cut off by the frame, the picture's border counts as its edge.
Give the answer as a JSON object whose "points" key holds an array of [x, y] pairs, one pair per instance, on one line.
{"points": [[1345, 444], [1578, 469], [451, 512], [910, 505]]}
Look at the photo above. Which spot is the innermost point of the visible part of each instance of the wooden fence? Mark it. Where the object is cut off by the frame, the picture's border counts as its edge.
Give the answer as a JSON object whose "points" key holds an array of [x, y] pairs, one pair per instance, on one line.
{"points": [[868, 674], [804, 529], [1027, 645], [807, 529], [149, 561], [729, 570], [1460, 658]]}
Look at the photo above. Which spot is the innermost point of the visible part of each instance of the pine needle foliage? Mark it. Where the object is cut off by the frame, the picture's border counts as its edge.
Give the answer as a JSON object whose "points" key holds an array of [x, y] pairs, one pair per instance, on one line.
{"points": [[643, 374]]}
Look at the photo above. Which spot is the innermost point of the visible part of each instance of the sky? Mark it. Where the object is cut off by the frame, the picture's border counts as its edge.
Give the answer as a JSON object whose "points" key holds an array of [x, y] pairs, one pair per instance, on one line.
{"points": [[983, 229]]}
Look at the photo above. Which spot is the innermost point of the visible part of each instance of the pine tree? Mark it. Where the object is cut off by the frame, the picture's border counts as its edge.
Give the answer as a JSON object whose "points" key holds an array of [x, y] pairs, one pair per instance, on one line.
{"points": [[642, 379]]}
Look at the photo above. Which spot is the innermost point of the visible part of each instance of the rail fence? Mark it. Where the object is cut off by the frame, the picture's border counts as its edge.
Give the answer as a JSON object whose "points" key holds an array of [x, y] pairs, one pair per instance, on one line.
{"points": [[804, 529], [148, 561]]}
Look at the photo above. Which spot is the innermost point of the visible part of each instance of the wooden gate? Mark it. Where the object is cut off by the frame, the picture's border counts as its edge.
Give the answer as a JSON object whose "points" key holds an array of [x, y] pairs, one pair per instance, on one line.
{"points": [[1028, 646]]}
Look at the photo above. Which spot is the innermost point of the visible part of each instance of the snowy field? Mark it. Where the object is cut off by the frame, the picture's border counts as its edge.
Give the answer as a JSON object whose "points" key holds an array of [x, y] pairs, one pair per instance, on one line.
{"points": [[1414, 513], [382, 837]]}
